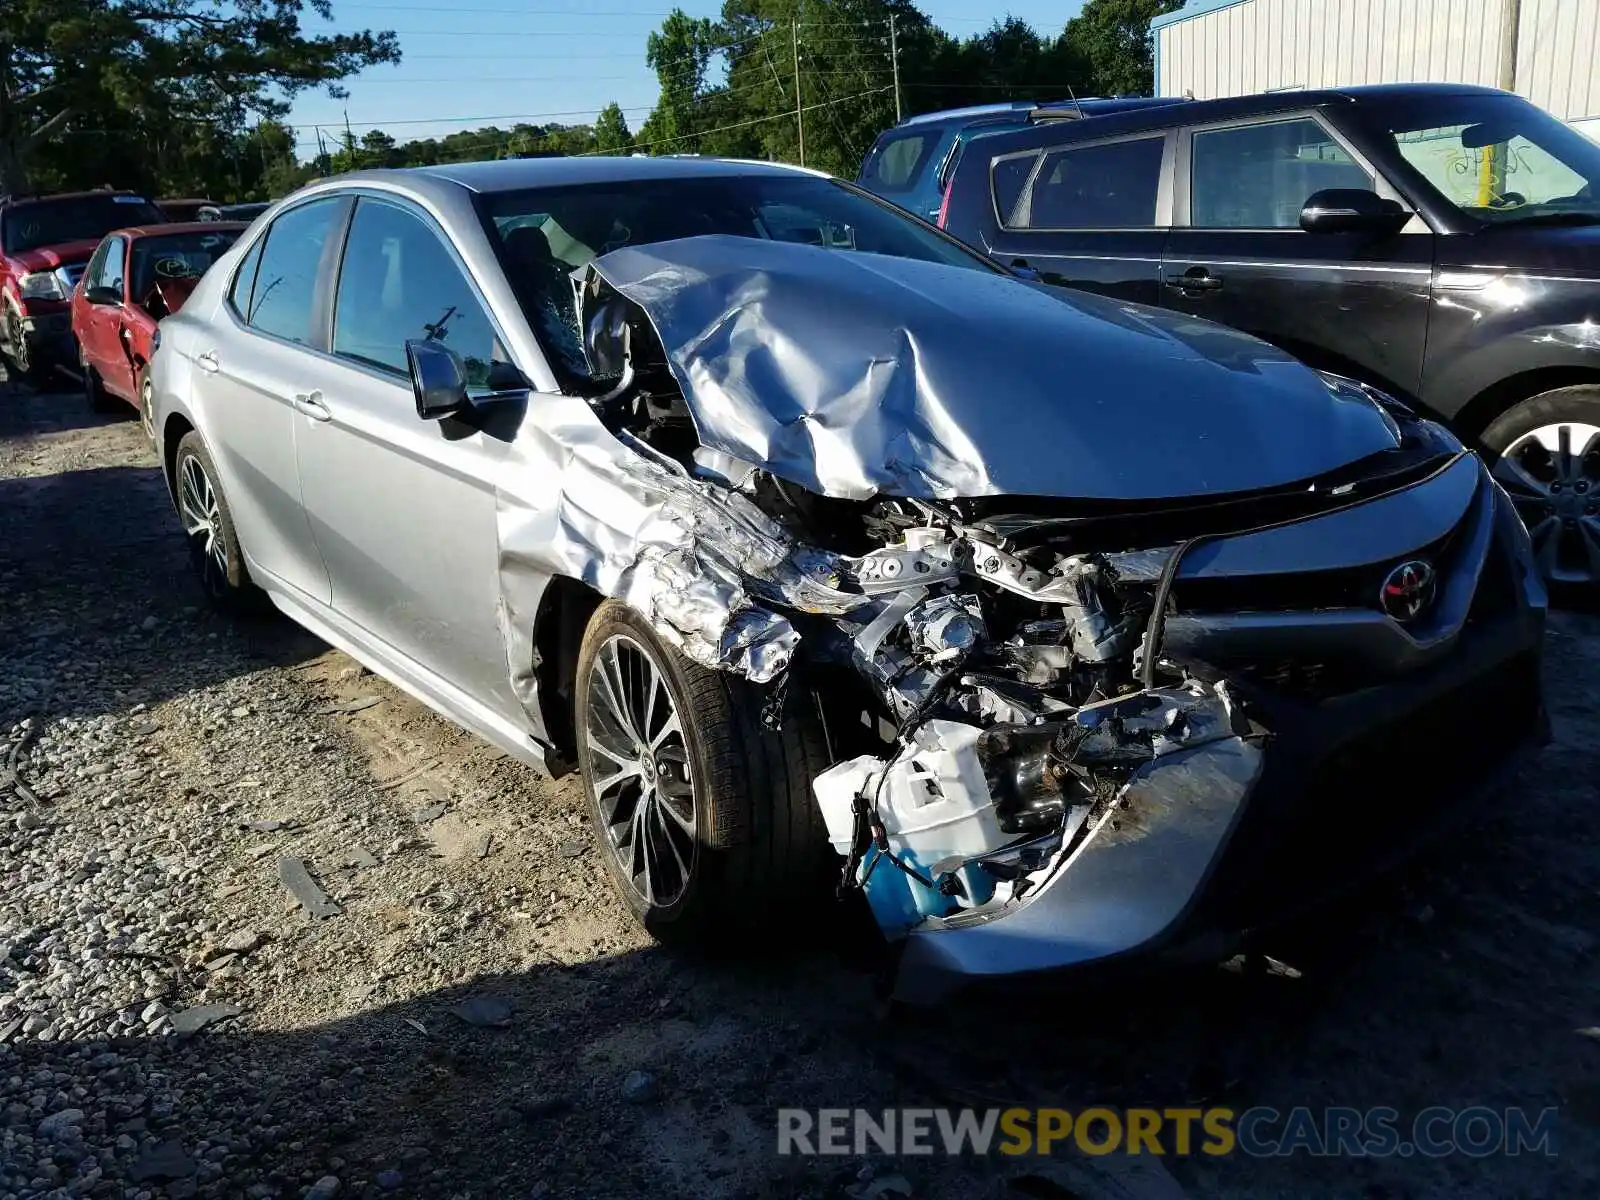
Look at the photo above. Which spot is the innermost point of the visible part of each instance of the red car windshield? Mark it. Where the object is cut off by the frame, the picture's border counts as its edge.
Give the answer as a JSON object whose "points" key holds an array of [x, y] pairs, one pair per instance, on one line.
{"points": [[175, 256], [54, 222]]}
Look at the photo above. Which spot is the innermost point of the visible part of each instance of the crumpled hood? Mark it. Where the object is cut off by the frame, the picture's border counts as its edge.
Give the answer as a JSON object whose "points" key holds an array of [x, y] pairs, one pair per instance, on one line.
{"points": [[48, 258], [852, 374]]}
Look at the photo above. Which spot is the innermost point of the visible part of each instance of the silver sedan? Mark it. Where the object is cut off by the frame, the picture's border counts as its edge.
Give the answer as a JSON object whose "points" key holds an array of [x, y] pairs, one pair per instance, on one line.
{"points": [[825, 547]]}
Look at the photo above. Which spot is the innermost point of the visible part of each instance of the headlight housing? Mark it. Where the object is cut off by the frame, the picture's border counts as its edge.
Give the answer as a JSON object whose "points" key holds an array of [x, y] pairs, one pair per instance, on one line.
{"points": [[42, 285]]}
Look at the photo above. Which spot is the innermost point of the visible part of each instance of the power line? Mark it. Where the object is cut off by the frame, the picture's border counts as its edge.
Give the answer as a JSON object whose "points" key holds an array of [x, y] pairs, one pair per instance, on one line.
{"points": [[779, 116]]}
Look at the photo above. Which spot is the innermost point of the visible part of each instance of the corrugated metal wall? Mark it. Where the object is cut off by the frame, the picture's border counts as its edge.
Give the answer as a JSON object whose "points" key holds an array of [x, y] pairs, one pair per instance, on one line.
{"points": [[1262, 45]]}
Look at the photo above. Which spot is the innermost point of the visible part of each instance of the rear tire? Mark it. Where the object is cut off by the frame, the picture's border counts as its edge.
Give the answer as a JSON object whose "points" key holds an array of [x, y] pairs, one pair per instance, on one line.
{"points": [[208, 526], [1545, 451], [754, 848]]}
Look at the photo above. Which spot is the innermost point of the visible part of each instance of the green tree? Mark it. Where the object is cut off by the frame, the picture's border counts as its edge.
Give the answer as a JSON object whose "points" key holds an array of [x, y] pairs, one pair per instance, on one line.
{"points": [[93, 90], [679, 53], [1112, 39], [378, 149], [611, 134]]}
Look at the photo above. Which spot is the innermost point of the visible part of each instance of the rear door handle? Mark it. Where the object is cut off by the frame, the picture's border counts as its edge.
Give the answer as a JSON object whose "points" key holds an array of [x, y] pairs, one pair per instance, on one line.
{"points": [[1195, 279], [207, 361], [311, 404]]}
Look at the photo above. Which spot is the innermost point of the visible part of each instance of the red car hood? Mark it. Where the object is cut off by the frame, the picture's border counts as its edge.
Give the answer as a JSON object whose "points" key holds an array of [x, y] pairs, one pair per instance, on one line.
{"points": [[48, 258]]}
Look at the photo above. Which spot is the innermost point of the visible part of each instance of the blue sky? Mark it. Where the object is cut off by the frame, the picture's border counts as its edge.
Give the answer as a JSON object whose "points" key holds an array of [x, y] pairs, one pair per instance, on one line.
{"points": [[494, 62]]}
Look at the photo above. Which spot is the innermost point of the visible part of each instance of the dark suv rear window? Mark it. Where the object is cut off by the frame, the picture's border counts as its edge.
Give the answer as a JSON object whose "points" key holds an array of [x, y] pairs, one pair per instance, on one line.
{"points": [[898, 160], [51, 222], [1108, 186]]}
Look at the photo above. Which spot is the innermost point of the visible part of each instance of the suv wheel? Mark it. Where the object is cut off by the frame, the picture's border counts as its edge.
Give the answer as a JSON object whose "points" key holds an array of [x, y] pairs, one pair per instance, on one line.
{"points": [[704, 817], [18, 350], [208, 525], [1545, 451]]}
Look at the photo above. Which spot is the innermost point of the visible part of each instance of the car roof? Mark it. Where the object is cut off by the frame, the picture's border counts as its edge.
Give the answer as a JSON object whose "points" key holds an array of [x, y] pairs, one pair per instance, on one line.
{"points": [[47, 197], [972, 110], [514, 174], [178, 227], [1163, 116]]}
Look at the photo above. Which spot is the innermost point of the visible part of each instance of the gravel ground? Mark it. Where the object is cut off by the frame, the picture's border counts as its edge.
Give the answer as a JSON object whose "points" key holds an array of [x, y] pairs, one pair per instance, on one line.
{"points": [[455, 1005]]}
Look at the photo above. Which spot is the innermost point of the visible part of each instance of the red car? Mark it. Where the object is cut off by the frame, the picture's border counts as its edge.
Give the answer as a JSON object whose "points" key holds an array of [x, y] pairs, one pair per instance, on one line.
{"points": [[44, 242], [136, 277]]}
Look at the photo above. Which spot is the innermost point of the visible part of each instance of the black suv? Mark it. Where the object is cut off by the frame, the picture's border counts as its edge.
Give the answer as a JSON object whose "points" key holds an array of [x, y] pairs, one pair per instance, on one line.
{"points": [[1439, 241]]}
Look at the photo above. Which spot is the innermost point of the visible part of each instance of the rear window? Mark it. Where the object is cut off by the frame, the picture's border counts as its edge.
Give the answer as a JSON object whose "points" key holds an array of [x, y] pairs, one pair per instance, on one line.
{"points": [[1109, 186], [53, 222], [898, 160], [1007, 177]]}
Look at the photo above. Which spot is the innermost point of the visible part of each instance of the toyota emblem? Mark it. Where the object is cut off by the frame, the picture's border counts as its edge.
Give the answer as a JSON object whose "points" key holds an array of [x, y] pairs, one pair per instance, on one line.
{"points": [[1408, 590]]}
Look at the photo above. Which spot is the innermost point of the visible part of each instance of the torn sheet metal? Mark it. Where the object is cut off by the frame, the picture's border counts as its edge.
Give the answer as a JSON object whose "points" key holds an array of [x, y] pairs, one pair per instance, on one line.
{"points": [[852, 374], [706, 567]]}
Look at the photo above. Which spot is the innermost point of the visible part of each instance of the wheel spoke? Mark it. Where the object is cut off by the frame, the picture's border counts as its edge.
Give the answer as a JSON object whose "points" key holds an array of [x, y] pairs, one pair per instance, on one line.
{"points": [[638, 767], [1589, 535], [1514, 477]]}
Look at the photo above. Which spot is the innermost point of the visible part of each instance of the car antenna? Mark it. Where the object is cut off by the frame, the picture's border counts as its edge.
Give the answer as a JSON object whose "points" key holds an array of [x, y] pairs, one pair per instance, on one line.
{"points": [[1073, 96]]}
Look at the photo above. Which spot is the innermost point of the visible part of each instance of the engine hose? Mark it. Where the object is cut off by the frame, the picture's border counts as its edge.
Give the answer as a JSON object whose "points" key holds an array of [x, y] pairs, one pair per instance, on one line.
{"points": [[1156, 629]]}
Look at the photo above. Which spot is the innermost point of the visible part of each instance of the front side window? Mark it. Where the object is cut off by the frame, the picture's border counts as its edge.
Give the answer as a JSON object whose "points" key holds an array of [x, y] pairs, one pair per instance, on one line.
{"points": [[1109, 186], [281, 301], [111, 266], [1260, 176], [545, 234], [1500, 159], [399, 282]]}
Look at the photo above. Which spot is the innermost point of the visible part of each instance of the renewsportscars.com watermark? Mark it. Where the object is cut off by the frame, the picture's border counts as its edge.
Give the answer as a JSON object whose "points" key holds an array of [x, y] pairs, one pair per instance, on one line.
{"points": [[1261, 1132]]}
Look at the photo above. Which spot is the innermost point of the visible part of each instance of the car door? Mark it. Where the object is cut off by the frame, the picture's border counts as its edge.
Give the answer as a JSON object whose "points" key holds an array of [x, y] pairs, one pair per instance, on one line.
{"points": [[254, 363], [403, 509], [1350, 302], [1089, 215], [100, 323]]}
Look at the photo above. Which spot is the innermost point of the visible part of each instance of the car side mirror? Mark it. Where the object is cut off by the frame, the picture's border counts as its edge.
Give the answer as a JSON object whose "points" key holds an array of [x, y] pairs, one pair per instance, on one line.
{"points": [[102, 295], [438, 380], [1352, 210]]}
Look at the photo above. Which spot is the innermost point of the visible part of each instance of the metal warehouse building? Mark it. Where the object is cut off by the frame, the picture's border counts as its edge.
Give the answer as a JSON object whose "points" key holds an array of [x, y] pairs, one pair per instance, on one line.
{"points": [[1548, 50]]}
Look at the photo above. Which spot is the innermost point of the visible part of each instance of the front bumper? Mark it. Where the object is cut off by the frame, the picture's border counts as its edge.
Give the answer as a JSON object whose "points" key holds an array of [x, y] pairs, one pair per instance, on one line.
{"points": [[1220, 841]]}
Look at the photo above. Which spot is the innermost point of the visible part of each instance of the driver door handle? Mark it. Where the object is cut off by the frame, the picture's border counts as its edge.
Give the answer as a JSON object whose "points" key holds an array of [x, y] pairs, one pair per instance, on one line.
{"points": [[311, 404], [207, 361], [1195, 279]]}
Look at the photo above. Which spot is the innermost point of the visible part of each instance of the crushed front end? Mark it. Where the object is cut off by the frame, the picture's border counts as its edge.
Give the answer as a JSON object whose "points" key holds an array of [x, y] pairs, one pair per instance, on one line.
{"points": [[1068, 730]]}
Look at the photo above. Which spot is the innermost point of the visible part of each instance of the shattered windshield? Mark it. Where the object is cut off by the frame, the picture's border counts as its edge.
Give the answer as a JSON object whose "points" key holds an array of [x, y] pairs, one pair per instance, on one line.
{"points": [[1500, 159], [53, 222], [546, 234]]}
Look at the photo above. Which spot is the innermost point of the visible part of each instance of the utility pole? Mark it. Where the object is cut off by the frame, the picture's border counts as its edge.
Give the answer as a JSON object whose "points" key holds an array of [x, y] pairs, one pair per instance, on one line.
{"points": [[799, 107], [1510, 29], [894, 63]]}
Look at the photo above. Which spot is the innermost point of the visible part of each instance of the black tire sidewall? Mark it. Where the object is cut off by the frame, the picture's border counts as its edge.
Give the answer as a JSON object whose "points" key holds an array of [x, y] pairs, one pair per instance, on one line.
{"points": [[146, 418], [616, 618], [1577, 405], [228, 592]]}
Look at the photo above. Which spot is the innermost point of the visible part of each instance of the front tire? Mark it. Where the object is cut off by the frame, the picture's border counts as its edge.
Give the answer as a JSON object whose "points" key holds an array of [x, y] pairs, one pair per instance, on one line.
{"points": [[94, 391], [208, 526], [1545, 451], [21, 354], [704, 817], [147, 416]]}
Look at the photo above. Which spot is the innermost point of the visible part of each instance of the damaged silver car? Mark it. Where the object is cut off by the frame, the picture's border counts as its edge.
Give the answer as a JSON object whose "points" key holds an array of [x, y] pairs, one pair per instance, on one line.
{"points": [[1062, 630]]}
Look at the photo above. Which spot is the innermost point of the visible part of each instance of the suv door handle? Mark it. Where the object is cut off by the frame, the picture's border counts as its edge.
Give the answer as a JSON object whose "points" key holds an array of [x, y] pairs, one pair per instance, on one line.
{"points": [[1195, 279], [311, 404], [207, 361]]}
